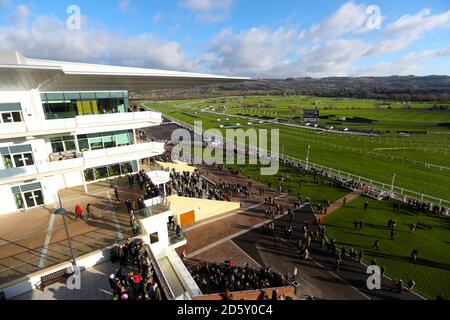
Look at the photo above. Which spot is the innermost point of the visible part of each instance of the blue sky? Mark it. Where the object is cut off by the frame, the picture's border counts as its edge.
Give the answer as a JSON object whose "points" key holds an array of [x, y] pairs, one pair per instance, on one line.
{"points": [[265, 38]]}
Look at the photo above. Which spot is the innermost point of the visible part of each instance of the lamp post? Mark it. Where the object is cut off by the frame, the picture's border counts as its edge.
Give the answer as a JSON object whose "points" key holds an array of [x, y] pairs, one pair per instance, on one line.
{"points": [[392, 184], [307, 158], [62, 212]]}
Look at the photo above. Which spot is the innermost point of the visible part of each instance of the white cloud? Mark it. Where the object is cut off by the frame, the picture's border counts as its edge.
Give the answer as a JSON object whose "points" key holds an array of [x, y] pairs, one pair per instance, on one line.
{"points": [[206, 5], [20, 15], [47, 37], [329, 48], [350, 18], [254, 50], [408, 29], [416, 25], [208, 11]]}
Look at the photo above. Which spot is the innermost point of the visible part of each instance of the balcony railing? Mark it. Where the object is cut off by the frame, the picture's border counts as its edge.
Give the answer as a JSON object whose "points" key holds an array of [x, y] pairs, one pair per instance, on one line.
{"points": [[61, 125], [87, 160], [177, 238], [142, 150], [42, 168]]}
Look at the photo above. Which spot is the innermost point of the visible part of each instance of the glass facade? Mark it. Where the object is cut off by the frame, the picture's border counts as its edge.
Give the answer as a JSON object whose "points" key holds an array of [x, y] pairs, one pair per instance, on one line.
{"points": [[63, 144], [72, 104], [105, 140], [113, 170]]}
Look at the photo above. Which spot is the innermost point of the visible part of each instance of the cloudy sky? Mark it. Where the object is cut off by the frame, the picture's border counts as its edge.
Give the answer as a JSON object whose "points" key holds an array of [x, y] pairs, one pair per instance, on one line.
{"points": [[256, 38]]}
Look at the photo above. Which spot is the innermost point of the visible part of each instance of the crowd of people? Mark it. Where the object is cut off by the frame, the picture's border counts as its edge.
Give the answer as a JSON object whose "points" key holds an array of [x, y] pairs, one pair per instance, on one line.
{"points": [[134, 285], [193, 185], [217, 278]]}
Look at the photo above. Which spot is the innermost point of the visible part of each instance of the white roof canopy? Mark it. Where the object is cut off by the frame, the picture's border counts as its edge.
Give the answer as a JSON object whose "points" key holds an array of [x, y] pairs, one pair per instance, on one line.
{"points": [[20, 73], [159, 177]]}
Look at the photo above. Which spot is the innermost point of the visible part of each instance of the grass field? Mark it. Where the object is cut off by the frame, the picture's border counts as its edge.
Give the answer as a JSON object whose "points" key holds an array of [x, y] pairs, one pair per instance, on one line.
{"points": [[376, 158], [387, 115], [432, 239], [317, 192]]}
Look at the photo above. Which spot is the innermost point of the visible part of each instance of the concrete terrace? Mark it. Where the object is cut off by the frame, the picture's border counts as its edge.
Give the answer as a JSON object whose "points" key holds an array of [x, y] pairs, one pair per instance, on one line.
{"points": [[36, 239]]}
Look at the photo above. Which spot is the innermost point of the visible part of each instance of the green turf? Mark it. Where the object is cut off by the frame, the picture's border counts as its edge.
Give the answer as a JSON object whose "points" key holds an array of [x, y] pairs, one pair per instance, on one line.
{"points": [[324, 189], [387, 115], [431, 274], [376, 158]]}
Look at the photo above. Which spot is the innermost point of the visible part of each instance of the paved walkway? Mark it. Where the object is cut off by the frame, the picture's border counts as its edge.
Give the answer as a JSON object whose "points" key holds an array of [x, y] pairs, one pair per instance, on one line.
{"points": [[340, 203], [317, 275], [94, 286], [240, 235], [36, 238]]}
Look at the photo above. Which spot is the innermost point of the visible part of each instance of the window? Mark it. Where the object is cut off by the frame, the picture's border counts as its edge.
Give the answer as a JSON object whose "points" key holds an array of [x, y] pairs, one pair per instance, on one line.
{"points": [[154, 238], [105, 140], [7, 161], [63, 144], [17, 156], [96, 143], [126, 167], [72, 104], [110, 171], [10, 112], [101, 173], [114, 170], [89, 175], [23, 159], [28, 196]]}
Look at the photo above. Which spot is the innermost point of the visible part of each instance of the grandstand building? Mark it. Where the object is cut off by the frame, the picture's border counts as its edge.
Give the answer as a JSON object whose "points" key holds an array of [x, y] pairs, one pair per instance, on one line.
{"points": [[64, 125], [68, 124]]}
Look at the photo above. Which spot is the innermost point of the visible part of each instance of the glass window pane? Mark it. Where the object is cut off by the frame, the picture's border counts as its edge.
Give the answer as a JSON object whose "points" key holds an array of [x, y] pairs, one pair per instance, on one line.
{"points": [[57, 147], [126, 167], [17, 117], [72, 96], [108, 142], [102, 95], [55, 96], [30, 187], [28, 159], [19, 200], [39, 199], [29, 199], [88, 95], [55, 139], [114, 170], [7, 161], [83, 145], [6, 117], [96, 144], [89, 175], [117, 95], [20, 149], [101, 173], [19, 161], [122, 139], [70, 145]]}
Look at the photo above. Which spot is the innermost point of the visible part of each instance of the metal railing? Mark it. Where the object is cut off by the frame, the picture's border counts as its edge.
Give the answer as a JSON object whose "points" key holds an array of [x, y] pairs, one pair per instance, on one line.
{"points": [[174, 239], [59, 255], [400, 193]]}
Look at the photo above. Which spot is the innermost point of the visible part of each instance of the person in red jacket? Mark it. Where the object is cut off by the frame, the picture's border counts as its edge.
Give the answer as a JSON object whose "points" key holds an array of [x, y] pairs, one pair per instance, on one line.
{"points": [[78, 212]]}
